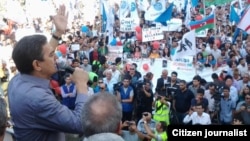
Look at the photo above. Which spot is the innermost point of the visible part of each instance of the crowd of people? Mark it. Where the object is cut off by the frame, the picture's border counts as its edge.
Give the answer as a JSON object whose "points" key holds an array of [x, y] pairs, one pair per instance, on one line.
{"points": [[52, 89]]}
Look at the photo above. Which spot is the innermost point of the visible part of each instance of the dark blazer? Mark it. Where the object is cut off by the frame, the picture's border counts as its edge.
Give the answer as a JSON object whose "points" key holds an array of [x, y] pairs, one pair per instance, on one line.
{"points": [[160, 86]]}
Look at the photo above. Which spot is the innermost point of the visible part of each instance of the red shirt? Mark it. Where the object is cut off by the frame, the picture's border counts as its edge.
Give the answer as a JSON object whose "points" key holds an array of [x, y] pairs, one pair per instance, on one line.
{"points": [[95, 55]]}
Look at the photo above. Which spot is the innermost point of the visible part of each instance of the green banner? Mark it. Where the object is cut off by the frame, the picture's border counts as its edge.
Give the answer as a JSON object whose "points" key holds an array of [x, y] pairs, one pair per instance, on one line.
{"points": [[216, 2]]}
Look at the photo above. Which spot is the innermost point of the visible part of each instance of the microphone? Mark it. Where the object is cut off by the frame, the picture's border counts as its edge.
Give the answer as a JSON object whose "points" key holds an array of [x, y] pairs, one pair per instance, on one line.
{"points": [[69, 69]]}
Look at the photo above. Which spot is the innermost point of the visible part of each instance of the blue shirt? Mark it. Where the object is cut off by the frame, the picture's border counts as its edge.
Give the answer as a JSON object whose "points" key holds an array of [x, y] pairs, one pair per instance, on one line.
{"points": [[37, 114], [227, 106]]}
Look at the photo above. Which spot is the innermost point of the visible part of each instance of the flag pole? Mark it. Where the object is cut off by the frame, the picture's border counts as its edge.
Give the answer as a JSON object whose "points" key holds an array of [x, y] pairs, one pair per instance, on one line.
{"points": [[215, 28], [204, 6]]}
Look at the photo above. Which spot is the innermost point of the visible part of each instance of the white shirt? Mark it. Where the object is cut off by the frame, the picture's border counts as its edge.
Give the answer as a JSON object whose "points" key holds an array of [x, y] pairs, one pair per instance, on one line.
{"points": [[110, 84], [90, 91], [204, 119], [116, 75], [243, 69], [208, 96], [233, 93]]}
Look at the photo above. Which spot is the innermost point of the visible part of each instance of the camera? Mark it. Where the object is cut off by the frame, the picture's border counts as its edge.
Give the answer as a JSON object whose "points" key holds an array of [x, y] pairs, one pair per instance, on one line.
{"points": [[248, 107], [117, 86], [158, 97], [130, 123]]}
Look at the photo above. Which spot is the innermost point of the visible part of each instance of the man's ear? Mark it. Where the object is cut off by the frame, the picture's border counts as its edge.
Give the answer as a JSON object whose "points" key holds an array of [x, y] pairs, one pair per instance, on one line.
{"points": [[119, 128], [36, 65]]}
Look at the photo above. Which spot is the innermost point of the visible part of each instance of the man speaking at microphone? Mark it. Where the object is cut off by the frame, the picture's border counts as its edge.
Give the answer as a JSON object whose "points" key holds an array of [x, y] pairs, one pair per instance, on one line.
{"points": [[35, 112]]}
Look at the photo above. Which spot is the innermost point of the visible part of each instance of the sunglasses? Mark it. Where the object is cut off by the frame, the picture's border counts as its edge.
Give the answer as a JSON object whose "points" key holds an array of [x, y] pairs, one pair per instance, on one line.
{"points": [[100, 82], [132, 69], [102, 88]]}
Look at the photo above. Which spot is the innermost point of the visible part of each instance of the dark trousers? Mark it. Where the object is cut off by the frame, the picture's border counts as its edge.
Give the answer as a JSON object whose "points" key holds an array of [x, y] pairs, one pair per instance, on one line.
{"points": [[180, 117]]}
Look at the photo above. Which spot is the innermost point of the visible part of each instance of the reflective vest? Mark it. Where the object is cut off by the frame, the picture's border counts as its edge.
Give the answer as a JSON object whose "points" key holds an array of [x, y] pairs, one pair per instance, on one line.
{"points": [[164, 136], [162, 113], [97, 63]]}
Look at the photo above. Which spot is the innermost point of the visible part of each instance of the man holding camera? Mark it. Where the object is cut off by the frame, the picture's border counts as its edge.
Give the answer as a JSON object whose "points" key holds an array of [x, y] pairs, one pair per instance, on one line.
{"points": [[160, 130], [161, 109], [144, 99], [151, 124]]}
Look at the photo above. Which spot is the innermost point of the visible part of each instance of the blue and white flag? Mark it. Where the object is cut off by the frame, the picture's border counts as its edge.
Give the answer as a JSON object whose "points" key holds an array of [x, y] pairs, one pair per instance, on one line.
{"points": [[133, 12], [104, 13], [155, 10], [235, 11], [124, 9], [159, 13], [143, 5]]}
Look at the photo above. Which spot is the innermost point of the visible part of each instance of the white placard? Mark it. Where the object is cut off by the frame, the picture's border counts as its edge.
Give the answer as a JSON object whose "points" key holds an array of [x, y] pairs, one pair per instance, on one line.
{"points": [[75, 47], [127, 25], [152, 34]]}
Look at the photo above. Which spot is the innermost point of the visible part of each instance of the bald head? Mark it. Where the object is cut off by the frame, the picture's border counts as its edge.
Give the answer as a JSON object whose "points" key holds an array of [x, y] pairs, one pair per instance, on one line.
{"points": [[102, 113]]}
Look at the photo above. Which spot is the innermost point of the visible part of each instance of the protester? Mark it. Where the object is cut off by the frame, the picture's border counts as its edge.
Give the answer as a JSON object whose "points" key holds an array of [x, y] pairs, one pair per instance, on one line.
{"points": [[36, 113]]}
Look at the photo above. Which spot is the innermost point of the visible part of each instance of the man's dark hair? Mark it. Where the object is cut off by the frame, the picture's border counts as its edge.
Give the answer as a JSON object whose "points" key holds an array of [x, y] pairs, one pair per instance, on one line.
{"points": [[27, 50], [200, 91], [215, 76], [163, 125], [183, 82], [197, 77], [200, 104], [226, 88], [175, 73], [75, 60]]}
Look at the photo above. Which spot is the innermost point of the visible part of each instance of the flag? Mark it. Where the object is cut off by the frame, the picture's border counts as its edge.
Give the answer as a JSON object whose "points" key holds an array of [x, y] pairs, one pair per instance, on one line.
{"points": [[187, 46], [158, 13], [104, 16], [166, 15], [194, 3], [143, 5], [124, 9], [205, 23], [216, 2], [188, 16], [133, 12], [244, 24], [234, 16]]}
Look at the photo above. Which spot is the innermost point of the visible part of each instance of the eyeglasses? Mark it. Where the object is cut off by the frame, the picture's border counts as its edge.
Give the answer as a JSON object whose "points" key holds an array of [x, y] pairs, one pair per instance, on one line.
{"points": [[132, 69], [100, 82]]}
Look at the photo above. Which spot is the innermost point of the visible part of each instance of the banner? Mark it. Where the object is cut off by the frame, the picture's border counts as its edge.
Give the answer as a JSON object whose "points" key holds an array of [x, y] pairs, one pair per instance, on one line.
{"points": [[184, 64], [183, 67], [152, 34], [173, 25], [127, 25], [114, 52]]}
